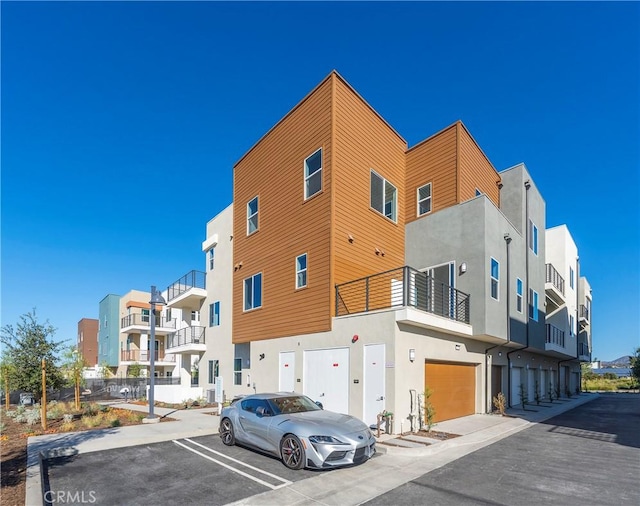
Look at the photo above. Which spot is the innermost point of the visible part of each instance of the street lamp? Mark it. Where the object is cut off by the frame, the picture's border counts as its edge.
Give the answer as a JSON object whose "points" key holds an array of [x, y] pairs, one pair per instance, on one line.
{"points": [[156, 298]]}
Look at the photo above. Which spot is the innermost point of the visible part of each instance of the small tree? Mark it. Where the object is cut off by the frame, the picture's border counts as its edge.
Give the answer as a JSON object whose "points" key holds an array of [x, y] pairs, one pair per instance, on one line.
{"points": [[26, 345], [7, 374], [429, 410], [523, 397], [74, 364], [134, 370]]}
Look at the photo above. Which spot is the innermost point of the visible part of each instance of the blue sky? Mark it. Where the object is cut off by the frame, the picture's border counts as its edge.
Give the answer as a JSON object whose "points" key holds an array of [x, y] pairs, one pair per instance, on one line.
{"points": [[121, 123]]}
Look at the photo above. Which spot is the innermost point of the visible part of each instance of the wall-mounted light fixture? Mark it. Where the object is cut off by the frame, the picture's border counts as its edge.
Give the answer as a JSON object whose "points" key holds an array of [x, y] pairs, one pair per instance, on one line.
{"points": [[261, 356], [499, 353], [518, 356], [463, 267], [354, 338], [350, 238], [457, 347], [378, 251], [412, 354]]}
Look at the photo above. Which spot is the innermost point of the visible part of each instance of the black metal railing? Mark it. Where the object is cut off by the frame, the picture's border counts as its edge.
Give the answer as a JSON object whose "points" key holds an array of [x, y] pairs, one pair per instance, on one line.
{"points": [[188, 335], [401, 287], [554, 335], [192, 279], [144, 320], [554, 277], [584, 312], [583, 349]]}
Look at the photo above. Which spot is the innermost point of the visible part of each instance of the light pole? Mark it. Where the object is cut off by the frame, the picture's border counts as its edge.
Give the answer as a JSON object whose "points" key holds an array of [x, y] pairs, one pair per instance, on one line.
{"points": [[156, 298]]}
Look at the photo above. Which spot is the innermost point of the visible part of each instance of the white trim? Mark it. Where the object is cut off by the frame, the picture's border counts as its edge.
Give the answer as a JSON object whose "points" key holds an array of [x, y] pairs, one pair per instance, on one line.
{"points": [[309, 176], [430, 199]]}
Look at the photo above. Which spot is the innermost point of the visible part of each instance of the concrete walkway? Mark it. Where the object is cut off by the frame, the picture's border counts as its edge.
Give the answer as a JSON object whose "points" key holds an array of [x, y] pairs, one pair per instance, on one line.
{"points": [[400, 462]]}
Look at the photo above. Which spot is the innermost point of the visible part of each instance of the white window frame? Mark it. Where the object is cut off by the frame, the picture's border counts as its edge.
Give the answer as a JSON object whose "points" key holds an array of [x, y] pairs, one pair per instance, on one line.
{"points": [[519, 295], [252, 304], [309, 176], [251, 215], [571, 276], [495, 281], [212, 258], [214, 314], [426, 199], [533, 304], [533, 237], [385, 183], [301, 272], [572, 321]]}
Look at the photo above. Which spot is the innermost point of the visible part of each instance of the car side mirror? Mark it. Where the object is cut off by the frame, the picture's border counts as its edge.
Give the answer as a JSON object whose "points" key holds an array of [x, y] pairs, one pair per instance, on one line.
{"points": [[319, 404], [262, 411]]}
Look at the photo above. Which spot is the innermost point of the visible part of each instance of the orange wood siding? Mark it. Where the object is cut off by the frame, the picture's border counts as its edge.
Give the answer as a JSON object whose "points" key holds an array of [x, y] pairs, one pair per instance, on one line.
{"points": [[433, 161], [288, 225], [364, 141], [475, 170]]}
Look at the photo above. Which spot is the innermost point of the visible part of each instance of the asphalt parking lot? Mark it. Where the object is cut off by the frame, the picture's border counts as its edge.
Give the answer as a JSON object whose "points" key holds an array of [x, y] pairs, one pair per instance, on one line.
{"points": [[198, 470]]}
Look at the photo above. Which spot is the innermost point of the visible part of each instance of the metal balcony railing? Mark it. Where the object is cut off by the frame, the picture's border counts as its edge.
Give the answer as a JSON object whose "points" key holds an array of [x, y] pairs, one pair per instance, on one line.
{"points": [[584, 312], [553, 277], [583, 349], [144, 320], [192, 279], [401, 287], [554, 335], [144, 355], [188, 335]]}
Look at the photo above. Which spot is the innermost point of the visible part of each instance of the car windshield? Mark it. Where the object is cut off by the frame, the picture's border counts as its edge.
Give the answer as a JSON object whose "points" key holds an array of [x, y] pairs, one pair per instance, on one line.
{"points": [[293, 404]]}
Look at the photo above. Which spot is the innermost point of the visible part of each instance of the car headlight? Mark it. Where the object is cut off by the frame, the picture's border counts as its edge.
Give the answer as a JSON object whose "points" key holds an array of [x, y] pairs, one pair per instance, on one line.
{"points": [[327, 440]]}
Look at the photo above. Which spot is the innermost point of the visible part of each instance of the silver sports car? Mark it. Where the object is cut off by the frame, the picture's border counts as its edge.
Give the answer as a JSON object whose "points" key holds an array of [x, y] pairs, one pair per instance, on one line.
{"points": [[297, 430]]}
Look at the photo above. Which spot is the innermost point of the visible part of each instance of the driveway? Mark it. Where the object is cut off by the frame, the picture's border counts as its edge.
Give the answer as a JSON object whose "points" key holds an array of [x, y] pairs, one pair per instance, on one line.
{"points": [[590, 455]]}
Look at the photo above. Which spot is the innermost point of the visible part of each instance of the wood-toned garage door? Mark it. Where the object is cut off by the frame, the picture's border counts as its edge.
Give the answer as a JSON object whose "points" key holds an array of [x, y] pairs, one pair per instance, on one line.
{"points": [[453, 388]]}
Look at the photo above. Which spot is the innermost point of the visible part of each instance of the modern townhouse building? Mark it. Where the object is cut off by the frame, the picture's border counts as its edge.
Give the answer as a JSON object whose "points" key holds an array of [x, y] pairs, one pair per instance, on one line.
{"points": [[87, 342], [362, 272], [584, 320], [134, 337], [109, 332]]}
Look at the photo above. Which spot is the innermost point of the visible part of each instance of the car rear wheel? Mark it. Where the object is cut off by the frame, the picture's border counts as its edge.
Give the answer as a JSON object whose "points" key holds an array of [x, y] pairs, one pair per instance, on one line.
{"points": [[292, 452], [226, 432]]}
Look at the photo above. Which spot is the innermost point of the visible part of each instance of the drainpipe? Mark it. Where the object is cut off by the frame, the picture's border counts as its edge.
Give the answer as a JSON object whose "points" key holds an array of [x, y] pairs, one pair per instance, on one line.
{"points": [[527, 186], [507, 240]]}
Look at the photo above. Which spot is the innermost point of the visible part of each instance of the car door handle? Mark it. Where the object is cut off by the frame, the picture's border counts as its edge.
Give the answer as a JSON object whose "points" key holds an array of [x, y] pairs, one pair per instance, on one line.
{"points": [[321, 395], [381, 398]]}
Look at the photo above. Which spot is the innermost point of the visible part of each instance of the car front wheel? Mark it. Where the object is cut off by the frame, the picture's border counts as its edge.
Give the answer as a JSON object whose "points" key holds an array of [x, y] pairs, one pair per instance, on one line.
{"points": [[292, 452], [226, 432]]}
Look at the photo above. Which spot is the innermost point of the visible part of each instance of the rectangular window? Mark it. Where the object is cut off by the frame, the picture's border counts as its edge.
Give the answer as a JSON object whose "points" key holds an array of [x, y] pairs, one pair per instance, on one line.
{"points": [[495, 278], [214, 314], [253, 292], [214, 370], [533, 305], [519, 294], [424, 199], [195, 316], [237, 371], [571, 276], [145, 315], [168, 314], [301, 271], [313, 174], [533, 237], [210, 372], [571, 324], [212, 255], [252, 216], [383, 196]]}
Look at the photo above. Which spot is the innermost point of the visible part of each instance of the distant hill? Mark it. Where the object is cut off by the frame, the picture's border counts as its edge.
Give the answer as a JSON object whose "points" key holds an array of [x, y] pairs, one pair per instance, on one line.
{"points": [[624, 361]]}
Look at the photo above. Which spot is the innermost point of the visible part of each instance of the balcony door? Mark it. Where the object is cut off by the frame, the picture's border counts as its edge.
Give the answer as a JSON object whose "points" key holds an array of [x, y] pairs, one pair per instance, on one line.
{"points": [[433, 289]]}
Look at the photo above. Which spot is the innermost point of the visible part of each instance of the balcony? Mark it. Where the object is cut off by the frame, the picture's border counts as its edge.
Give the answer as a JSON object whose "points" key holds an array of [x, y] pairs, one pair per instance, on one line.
{"points": [[438, 305], [554, 289], [141, 323], [583, 316], [188, 292], [143, 357], [555, 339], [584, 354], [187, 340]]}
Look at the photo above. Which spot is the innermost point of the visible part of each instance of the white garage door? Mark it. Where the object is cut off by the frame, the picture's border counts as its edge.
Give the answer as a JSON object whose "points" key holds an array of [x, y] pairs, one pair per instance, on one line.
{"points": [[326, 378]]}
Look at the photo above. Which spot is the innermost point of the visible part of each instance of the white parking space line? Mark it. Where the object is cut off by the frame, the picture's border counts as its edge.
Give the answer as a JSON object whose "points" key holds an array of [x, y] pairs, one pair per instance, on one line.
{"points": [[235, 470]]}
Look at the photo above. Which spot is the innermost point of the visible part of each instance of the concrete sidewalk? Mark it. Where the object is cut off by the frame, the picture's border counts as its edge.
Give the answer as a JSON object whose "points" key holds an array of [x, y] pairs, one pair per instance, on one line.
{"points": [[354, 485]]}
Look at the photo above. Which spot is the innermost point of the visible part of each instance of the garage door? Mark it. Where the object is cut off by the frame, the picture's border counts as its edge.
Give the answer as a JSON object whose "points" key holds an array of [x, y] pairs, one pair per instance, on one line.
{"points": [[326, 378], [453, 388]]}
